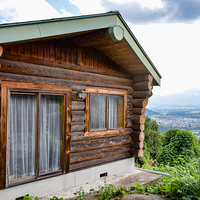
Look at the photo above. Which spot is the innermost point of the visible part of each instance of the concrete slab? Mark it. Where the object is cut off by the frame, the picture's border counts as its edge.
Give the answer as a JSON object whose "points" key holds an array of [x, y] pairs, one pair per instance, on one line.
{"points": [[126, 180]]}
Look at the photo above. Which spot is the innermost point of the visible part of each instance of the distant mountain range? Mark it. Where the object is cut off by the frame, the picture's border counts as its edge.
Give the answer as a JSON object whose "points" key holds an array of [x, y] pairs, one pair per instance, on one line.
{"points": [[189, 97]]}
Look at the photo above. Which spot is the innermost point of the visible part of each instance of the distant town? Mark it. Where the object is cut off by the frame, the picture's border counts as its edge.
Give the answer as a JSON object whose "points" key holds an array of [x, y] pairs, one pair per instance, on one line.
{"points": [[182, 118]]}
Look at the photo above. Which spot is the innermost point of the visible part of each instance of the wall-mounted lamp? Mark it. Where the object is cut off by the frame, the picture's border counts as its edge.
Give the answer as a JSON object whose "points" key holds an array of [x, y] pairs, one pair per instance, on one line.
{"points": [[81, 95]]}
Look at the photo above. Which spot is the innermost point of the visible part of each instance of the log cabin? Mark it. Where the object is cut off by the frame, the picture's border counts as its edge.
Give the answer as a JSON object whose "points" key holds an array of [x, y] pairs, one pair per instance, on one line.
{"points": [[73, 98]]}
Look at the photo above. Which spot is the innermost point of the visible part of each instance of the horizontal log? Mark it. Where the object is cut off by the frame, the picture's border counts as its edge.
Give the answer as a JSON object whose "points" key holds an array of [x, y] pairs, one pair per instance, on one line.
{"points": [[98, 153], [75, 85], [130, 90], [138, 127], [8, 66], [139, 103], [137, 136], [142, 86], [1, 50], [137, 152], [77, 135], [142, 94], [129, 98], [57, 64], [129, 114], [78, 105], [137, 145], [129, 106], [142, 78], [99, 143], [77, 126], [78, 116], [129, 123], [90, 163], [138, 119], [138, 111]]}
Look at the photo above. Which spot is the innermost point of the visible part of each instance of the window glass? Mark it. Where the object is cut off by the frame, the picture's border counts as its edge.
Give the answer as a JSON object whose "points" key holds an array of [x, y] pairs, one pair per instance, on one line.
{"points": [[22, 135], [97, 112], [51, 115], [116, 111]]}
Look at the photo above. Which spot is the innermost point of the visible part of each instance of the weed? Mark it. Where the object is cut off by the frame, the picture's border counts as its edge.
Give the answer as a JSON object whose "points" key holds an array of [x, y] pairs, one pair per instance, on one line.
{"points": [[81, 195]]}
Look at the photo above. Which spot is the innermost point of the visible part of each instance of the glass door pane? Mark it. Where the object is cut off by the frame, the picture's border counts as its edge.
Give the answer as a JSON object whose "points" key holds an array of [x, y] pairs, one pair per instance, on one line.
{"points": [[22, 135], [51, 130]]}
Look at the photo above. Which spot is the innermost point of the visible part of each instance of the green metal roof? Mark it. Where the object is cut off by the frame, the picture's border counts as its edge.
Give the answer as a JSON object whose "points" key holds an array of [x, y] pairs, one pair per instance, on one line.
{"points": [[22, 31]]}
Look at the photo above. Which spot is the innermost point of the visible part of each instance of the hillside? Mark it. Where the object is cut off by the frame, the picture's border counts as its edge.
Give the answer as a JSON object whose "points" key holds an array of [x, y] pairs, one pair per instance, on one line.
{"points": [[187, 98]]}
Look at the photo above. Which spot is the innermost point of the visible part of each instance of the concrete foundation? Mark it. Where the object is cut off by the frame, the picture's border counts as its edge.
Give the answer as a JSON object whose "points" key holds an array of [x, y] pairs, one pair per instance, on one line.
{"points": [[51, 185]]}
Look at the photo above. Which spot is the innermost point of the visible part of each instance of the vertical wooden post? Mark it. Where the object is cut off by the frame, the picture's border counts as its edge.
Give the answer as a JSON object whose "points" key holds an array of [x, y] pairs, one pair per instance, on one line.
{"points": [[3, 137], [1, 50]]}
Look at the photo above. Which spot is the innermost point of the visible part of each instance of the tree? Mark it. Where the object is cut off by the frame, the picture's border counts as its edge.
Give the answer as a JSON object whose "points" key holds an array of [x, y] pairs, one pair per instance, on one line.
{"points": [[152, 137], [176, 143], [152, 142]]}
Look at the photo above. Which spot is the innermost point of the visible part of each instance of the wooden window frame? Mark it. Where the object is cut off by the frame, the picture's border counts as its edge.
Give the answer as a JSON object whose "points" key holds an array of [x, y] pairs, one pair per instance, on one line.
{"points": [[104, 91], [38, 89]]}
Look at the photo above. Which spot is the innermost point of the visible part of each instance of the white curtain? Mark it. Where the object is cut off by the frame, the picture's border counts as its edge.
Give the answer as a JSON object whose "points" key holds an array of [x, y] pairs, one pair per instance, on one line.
{"points": [[116, 111], [98, 112], [22, 135], [50, 133], [113, 101]]}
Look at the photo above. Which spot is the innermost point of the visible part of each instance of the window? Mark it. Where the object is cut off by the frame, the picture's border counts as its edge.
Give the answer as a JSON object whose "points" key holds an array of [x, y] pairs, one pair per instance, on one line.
{"points": [[105, 110], [35, 131]]}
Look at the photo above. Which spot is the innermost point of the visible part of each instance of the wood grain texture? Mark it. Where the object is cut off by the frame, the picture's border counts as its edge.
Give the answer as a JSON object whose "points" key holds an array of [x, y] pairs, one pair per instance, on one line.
{"points": [[70, 83], [138, 119], [78, 116], [138, 127], [3, 137], [137, 136], [98, 153], [77, 126], [82, 165], [139, 103], [78, 105], [1, 50], [46, 71], [138, 111], [137, 145], [80, 146], [137, 152], [142, 94], [142, 78], [142, 86]]}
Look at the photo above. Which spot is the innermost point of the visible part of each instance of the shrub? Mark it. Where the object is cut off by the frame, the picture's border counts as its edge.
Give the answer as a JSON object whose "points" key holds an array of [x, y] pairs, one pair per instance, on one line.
{"points": [[178, 143]]}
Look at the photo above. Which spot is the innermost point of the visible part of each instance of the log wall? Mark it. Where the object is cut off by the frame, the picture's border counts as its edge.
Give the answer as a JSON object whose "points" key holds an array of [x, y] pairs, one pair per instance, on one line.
{"points": [[142, 87], [60, 62], [86, 151]]}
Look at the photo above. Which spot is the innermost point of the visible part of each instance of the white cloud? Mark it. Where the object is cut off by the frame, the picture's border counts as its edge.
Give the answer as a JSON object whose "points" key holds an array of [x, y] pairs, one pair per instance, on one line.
{"points": [[174, 49], [88, 6], [144, 3], [26, 10]]}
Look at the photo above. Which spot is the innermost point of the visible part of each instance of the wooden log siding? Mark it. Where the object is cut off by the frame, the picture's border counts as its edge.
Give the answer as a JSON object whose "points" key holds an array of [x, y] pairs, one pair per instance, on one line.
{"points": [[142, 86], [87, 151], [62, 53]]}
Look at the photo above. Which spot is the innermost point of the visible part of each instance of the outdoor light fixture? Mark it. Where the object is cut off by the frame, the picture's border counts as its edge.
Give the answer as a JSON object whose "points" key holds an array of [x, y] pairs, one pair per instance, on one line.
{"points": [[81, 95]]}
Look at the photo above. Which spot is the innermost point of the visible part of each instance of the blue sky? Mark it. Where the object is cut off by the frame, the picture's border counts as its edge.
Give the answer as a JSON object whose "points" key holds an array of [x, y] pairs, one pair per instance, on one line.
{"points": [[168, 30]]}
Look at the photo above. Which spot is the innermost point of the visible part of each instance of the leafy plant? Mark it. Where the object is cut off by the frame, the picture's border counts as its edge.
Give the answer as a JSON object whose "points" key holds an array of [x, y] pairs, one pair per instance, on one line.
{"points": [[30, 198], [81, 194], [108, 191]]}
